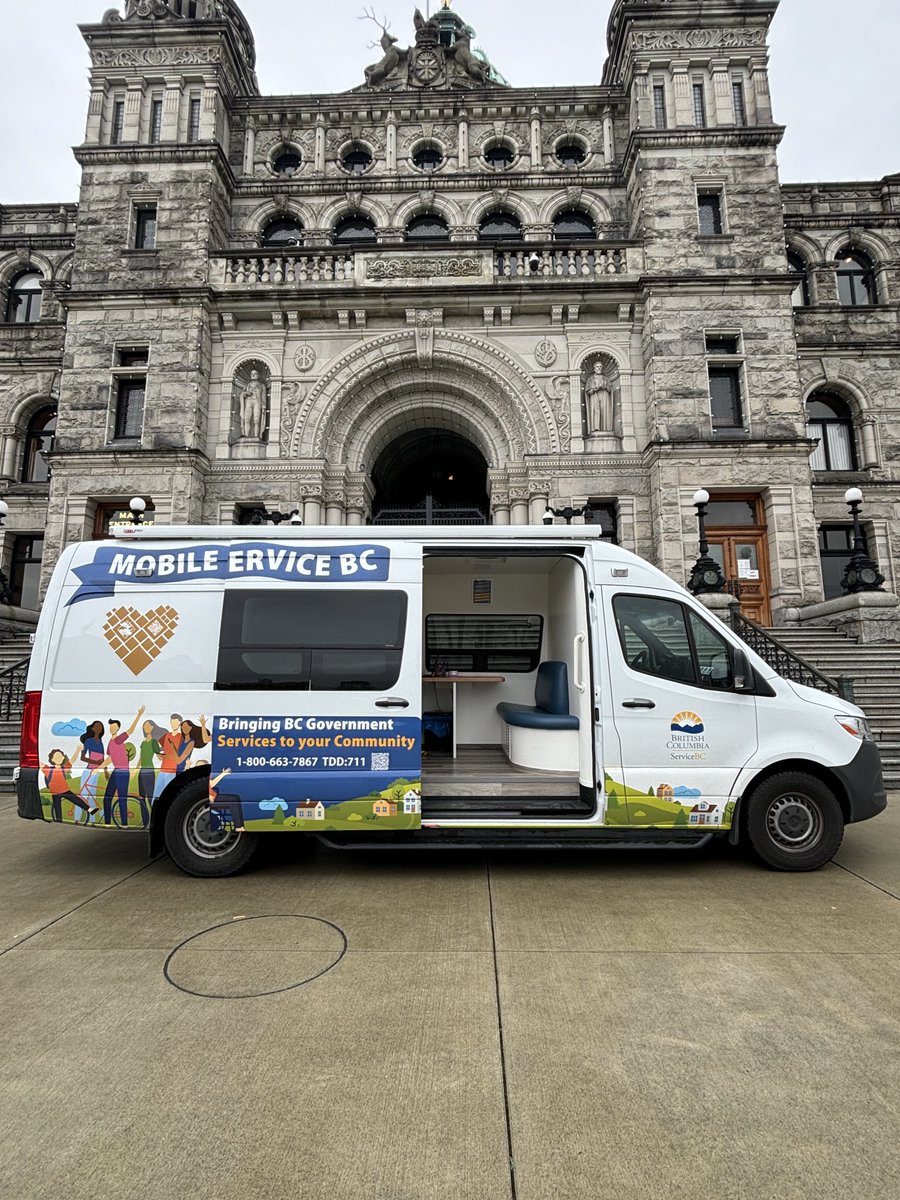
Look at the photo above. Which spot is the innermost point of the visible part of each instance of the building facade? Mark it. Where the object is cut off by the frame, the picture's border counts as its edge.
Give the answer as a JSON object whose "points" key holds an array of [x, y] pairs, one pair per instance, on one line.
{"points": [[440, 297]]}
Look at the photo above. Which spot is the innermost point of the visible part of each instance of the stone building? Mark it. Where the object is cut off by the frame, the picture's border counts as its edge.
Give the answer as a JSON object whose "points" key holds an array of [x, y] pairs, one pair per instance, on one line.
{"points": [[441, 297]]}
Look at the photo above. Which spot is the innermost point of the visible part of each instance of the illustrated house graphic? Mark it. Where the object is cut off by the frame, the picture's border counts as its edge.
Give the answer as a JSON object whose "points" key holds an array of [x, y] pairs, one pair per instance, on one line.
{"points": [[384, 808], [704, 814], [311, 810], [665, 791], [412, 802]]}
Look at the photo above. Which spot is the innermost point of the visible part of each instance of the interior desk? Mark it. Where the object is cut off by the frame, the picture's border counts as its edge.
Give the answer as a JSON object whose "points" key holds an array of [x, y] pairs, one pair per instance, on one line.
{"points": [[453, 680]]}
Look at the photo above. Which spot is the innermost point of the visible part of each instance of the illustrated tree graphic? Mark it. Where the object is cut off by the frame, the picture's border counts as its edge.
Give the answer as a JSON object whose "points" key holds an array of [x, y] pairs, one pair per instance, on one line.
{"points": [[278, 817]]}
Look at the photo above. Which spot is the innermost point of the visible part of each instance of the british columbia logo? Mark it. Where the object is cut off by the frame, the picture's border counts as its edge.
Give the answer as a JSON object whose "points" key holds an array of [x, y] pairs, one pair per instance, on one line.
{"points": [[687, 722], [686, 741]]}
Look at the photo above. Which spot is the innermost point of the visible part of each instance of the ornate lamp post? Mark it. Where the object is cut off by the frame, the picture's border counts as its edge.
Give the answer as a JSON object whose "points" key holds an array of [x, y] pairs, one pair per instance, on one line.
{"points": [[706, 575], [138, 507], [567, 513], [861, 573], [5, 592]]}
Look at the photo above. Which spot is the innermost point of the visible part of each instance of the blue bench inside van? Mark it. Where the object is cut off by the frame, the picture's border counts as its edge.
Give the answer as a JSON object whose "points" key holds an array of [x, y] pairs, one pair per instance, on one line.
{"points": [[543, 735]]}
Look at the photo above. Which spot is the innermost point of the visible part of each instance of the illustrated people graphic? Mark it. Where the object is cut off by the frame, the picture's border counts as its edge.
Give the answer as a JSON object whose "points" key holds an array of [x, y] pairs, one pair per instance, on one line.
{"points": [[175, 750], [118, 770], [197, 735], [149, 749], [232, 804], [92, 753], [60, 785]]}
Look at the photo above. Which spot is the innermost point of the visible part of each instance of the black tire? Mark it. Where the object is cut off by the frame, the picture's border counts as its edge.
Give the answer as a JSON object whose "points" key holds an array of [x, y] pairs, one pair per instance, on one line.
{"points": [[195, 845], [794, 822]]}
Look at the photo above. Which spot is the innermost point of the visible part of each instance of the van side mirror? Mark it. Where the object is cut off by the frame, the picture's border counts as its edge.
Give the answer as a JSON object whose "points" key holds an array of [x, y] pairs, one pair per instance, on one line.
{"points": [[742, 672]]}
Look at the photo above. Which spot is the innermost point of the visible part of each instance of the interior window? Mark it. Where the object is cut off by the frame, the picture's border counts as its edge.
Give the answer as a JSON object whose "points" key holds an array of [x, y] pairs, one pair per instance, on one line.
{"points": [[654, 637], [712, 655], [509, 642], [312, 640]]}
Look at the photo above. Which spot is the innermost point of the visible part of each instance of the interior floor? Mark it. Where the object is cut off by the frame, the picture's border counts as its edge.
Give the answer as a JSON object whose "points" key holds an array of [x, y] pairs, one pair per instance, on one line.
{"points": [[481, 779]]}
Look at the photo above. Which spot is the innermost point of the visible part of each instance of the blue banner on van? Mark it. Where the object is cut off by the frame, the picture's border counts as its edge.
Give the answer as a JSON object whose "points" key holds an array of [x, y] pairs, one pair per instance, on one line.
{"points": [[291, 563], [317, 773]]}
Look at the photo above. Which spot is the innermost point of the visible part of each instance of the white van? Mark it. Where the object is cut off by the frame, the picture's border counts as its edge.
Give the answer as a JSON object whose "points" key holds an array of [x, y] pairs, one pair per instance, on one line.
{"points": [[433, 686]]}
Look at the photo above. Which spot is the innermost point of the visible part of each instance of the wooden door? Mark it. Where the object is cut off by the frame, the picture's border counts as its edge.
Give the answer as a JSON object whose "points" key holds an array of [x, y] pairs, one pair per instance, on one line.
{"points": [[743, 559]]}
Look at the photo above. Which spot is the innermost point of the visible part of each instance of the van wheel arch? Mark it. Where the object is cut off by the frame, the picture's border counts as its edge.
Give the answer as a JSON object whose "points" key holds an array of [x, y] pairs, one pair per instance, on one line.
{"points": [[738, 834], [161, 806]]}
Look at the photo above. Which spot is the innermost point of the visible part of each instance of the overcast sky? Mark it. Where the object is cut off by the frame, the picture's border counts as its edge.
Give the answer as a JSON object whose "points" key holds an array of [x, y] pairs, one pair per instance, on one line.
{"points": [[835, 80]]}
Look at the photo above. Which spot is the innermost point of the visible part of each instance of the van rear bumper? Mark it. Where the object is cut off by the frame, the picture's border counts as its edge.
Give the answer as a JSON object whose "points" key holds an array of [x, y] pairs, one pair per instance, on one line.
{"points": [[864, 784], [28, 794]]}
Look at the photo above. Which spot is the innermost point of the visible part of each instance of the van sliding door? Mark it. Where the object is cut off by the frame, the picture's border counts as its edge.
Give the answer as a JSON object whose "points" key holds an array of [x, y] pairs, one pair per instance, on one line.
{"points": [[319, 700]]}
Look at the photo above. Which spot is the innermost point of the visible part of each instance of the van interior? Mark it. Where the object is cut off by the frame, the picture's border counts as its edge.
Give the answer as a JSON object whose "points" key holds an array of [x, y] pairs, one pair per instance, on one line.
{"points": [[507, 688]]}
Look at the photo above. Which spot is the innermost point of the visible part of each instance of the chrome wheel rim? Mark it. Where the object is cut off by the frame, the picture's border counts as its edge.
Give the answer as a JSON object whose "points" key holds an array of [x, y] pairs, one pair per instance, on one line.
{"points": [[208, 836], [794, 822]]}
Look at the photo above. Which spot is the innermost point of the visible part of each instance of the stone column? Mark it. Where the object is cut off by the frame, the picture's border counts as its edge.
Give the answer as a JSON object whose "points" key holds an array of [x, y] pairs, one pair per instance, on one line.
{"points": [[724, 109], [9, 454], [642, 110], [537, 507], [463, 151], [334, 512], [171, 109], [759, 87], [320, 145], [684, 101], [609, 146], [273, 421], [537, 154], [249, 149], [94, 131], [867, 427], [519, 511], [133, 104], [312, 511], [391, 143]]}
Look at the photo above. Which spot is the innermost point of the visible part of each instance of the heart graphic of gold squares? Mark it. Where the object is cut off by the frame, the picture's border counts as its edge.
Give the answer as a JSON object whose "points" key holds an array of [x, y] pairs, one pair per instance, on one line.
{"points": [[139, 638]]}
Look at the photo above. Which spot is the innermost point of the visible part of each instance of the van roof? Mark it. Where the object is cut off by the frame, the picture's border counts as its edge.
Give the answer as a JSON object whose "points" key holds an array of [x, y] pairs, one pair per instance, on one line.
{"points": [[367, 533]]}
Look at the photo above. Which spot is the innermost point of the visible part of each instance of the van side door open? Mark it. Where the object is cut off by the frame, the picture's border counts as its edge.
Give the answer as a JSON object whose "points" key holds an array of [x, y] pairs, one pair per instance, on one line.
{"points": [[318, 721]]}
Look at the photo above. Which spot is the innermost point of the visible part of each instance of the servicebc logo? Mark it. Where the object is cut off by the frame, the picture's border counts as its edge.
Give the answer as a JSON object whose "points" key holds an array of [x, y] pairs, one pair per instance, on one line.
{"points": [[687, 742]]}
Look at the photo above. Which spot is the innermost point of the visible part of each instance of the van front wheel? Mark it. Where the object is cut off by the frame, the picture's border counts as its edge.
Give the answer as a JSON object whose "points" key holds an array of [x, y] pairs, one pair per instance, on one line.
{"points": [[199, 841], [794, 822]]}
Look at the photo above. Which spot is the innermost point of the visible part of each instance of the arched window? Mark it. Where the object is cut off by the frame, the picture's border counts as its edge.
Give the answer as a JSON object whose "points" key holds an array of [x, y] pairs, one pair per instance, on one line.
{"points": [[571, 154], [428, 158], [500, 226], [39, 438], [24, 304], [829, 419], [283, 231], [572, 224], [800, 294], [428, 227], [356, 160], [356, 227], [500, 156], [287, 163], [856, 278]]}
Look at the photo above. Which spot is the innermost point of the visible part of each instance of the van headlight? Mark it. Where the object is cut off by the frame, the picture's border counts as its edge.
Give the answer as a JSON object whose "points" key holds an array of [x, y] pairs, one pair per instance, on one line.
{"points": [[858, 727]]}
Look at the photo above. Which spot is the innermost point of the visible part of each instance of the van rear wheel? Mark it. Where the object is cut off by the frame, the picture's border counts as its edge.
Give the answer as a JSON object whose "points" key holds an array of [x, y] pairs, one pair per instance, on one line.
{"points": [[794, 822], [199, 842]]}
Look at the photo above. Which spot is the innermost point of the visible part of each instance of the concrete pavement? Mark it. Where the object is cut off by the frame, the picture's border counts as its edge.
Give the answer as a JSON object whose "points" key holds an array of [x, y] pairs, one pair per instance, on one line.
{"points": [[607, 1027]]}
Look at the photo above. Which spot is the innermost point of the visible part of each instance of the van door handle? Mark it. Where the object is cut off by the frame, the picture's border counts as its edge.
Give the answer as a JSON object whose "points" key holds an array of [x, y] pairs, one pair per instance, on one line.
{"points": [[638, 702], [576, 661], [391, 702]]}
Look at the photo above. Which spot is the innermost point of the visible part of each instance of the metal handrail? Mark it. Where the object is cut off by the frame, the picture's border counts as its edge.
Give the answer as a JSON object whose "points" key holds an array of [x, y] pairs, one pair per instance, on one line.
{"points": [[787, 663], [12, 689]]}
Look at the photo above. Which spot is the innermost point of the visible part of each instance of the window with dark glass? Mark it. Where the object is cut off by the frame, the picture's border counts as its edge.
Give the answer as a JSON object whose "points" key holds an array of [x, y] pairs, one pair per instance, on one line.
{"points": [[156, 116], [725, 396], [664, 639], [722, 343], [835, 549], [698, 92], [483, 642], [308, 640], [427, 228], [355, 228], [732, 513], [130, 394], [356, 160], [740, 104], [500, 225], [499, 157], [571, 154], [145, 227], [23, 306], [194, 120], [287, 163], [709, 211], [428, 158], [603, 514], [39, 441], [25, 577], [572, 224], [659, 106], [829, 419], [800, 294], [283, 231], [118, 122], [108, 516], [856, 279]]}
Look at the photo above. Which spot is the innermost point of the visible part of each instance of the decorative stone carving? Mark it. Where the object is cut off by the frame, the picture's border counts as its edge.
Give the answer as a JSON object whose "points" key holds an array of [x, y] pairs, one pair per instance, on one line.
{"points": [[599, 397], [251, 401], [424, 320], [696, 39], [559, 391], [292, 396], [429, 63], [545, 353], [426, 267], [157, 56], [305, 358]]}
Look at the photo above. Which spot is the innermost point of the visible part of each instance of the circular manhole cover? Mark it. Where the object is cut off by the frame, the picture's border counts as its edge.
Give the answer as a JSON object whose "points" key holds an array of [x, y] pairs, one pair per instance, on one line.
{"points": [[255, 956]]}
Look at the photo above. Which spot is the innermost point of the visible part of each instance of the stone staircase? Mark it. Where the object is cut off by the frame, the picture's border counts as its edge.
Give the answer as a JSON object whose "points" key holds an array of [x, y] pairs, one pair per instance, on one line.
{"points": [[13, 650], [875, 672]]}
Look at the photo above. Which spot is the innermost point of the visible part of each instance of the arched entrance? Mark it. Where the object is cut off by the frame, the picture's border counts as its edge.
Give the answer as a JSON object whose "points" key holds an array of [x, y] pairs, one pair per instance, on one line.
{"points": [[430, 477]]}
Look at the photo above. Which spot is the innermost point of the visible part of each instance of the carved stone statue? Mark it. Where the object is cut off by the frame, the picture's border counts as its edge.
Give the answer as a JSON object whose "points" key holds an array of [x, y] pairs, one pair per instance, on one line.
{"points": [[381, 70], [253, 407], [599, 400], [473, 66]]}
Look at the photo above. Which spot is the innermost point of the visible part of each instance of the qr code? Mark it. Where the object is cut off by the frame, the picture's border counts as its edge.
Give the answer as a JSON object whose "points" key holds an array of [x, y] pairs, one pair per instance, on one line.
{"points": [[380, 762]]}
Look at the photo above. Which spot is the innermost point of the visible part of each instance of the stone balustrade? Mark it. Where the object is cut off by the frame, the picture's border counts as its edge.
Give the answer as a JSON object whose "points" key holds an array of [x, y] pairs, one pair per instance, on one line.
{"points": [[440, 263]]}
